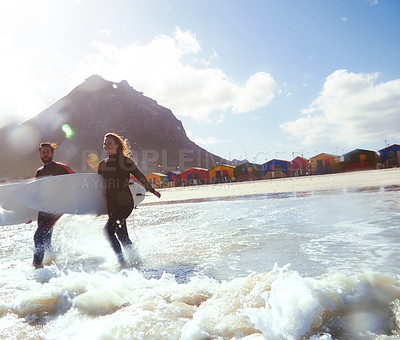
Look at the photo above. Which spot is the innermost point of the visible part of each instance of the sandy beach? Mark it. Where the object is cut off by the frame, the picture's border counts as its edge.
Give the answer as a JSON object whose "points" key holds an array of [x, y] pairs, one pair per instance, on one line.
{"points": [[359, 179]]}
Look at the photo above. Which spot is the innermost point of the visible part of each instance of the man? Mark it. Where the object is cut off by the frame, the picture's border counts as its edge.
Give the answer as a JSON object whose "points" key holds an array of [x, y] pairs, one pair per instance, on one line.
{"points": [[46, 221]]}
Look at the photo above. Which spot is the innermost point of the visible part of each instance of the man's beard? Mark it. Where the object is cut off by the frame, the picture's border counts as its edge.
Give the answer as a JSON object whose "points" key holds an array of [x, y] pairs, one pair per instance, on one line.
{"points": [[46, 160]]}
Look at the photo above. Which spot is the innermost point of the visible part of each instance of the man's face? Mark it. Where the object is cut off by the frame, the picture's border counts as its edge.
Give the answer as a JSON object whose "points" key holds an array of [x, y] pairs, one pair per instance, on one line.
{"points": [[46, 155]]}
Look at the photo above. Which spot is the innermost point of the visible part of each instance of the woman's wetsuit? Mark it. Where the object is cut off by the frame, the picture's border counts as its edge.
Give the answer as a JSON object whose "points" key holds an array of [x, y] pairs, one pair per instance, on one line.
{"points": [[46, 221], [116, 170]]}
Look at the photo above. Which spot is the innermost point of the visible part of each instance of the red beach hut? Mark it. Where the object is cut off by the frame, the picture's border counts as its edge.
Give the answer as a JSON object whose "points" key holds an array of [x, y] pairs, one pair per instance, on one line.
{"points": [[194, 176], [300, 166]]}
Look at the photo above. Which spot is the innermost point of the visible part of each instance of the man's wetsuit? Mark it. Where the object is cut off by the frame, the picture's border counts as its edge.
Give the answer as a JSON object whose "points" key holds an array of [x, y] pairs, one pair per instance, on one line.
{"points": [[46, 221], [116, 170]]}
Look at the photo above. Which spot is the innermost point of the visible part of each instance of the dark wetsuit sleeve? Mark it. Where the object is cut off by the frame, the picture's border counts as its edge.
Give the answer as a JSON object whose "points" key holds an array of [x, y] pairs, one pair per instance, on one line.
{"points": [[37, 174], [138, 174], [67, 169], [54, 169], [100, 168]]}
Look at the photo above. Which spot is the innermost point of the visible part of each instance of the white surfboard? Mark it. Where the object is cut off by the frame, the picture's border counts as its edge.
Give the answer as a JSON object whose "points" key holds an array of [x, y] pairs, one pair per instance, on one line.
{"points": [[12, 211], [71, 194]]}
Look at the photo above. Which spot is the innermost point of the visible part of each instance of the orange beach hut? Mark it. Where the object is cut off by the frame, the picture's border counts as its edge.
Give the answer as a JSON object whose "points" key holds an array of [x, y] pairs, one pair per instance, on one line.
{"points": [[324, 164], [157, 180], [221, 174]]}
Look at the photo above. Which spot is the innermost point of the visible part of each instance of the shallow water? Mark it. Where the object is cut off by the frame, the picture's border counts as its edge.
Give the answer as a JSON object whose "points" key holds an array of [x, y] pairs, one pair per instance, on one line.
{"points": [[304, 265]]}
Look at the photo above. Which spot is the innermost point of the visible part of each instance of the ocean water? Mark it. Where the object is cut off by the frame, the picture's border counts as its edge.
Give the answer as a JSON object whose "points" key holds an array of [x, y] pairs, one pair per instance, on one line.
{"points": [[302, 265]]}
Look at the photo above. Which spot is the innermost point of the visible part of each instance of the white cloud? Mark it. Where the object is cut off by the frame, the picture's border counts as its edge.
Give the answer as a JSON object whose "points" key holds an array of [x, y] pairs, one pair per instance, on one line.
{"points": [[171, 69], [21, 95], [163, 70], [104, 33], [257, 92], [351, 109], [209, 141], [205, 141], [16, 84]]}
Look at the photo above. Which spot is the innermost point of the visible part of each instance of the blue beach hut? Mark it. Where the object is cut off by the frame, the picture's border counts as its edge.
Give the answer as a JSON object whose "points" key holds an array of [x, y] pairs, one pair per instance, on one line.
{"points": [[173, 178], [277, 168], [390, 156]]}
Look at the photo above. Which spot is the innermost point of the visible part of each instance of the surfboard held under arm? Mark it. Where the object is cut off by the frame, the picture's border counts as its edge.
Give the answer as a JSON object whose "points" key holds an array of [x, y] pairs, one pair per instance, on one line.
{"points": [[12, 211], [71, 194]]}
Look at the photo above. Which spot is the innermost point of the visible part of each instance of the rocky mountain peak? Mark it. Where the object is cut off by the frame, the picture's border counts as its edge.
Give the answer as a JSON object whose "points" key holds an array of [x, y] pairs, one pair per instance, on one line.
{"points": [[93, 108]]}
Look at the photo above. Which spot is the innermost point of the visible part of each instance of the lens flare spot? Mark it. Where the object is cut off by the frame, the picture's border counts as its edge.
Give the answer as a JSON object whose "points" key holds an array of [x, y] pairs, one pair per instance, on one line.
{"points": [[92, 160], [23, 139], [68, 131]]}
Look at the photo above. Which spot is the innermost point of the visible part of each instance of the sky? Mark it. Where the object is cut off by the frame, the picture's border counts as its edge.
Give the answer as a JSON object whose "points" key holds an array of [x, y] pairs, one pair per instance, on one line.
{"points": [[249, 79]]}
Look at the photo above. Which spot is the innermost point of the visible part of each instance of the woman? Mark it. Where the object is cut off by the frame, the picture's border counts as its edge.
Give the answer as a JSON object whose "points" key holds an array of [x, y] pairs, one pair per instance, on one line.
{"points": [[116, 170]]}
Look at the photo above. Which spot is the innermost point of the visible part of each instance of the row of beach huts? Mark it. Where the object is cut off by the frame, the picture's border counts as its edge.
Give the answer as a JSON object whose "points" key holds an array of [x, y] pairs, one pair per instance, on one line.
{"points": [[323, 163]]}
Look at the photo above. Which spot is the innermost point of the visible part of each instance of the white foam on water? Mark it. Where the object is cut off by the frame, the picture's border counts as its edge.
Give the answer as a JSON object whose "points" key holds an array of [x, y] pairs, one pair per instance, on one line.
{"points": [[279, 304], [205, 270], [351, 307]]}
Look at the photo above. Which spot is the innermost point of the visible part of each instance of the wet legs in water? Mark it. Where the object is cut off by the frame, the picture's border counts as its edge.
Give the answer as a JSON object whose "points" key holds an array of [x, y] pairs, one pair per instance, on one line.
{"points": [[42, 237], [117, 232]]}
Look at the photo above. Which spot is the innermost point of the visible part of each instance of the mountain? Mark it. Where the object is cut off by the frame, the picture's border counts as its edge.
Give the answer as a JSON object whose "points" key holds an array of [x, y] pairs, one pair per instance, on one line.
{"points": [[78, 122], [237, 162]]}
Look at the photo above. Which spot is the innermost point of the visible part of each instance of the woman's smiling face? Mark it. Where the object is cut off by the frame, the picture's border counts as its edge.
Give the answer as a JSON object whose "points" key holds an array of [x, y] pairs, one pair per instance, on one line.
{"points": [[110, 147]]}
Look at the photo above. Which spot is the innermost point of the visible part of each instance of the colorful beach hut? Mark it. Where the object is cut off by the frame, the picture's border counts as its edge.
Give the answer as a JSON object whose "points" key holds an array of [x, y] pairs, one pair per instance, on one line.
{"points": [[194, 176], [390, 156], [300, 166], [221, 174], [248, 172], [359, 159], [173, 178], [157, 180], [277, 168], [324, 164]]}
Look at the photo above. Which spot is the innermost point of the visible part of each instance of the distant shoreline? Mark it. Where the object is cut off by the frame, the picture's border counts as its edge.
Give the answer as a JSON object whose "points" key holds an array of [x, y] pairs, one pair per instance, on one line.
{"points": [[357, 179]]}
